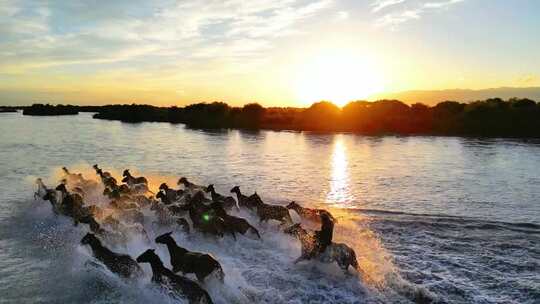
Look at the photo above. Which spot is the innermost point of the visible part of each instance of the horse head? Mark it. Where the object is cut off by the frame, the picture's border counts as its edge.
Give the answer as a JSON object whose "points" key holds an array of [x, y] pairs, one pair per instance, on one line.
{"points": [[292, 205], [89, 239], [182, 181], [235, 189], [164, 238]]}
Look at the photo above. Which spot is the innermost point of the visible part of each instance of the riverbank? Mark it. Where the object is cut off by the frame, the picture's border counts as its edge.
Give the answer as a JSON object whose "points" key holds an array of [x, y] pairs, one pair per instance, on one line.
{"points": [[490, 118]]}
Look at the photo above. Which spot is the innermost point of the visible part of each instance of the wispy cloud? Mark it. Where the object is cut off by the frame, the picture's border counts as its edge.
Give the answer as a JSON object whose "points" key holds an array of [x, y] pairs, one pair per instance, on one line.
{"points": [[406, 10], [55, 33], [381, 4], [441, 4]]}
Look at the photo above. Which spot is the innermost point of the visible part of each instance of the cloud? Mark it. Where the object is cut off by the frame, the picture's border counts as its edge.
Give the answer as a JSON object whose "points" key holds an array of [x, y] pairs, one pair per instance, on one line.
{"points": [[441, 4], [342, 15], [399, 17], [406, 10], [381, 4], [528, 80], [45, 34]]}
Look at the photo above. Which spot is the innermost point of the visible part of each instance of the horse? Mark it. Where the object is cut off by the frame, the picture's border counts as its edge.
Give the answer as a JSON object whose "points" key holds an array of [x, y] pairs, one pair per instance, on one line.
{"points": [[273, 212], [309, 214], [72, 177], [182, 286], [191, 187], [315, 242], [169, 195], [185, 261], [131, 180], [89, 219], [228, 202], [116, 191], [340, 253], [106, 174], [78, 180], [203, 217], [47, 194], [307, 241], [232, 223], [121, 264], [249, 202], [107, 179], [238, 224], [72, 203]]}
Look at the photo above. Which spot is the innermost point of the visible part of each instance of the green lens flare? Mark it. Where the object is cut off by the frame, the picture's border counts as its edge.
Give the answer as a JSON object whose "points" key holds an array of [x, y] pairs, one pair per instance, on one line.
{"points": [[206, 217]]}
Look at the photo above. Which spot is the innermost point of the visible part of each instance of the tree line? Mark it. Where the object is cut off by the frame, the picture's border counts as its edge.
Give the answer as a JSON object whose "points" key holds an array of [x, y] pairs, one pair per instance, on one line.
{"points": [[492, 117]]}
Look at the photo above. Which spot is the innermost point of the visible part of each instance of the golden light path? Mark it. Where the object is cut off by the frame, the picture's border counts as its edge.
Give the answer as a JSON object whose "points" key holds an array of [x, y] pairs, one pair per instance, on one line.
{"points": [[339, 192], [352, 227]]}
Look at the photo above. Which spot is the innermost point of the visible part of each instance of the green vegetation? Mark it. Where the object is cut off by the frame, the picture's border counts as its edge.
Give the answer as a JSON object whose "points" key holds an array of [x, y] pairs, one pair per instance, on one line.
{"points": [[492, 117], [47, 110]]}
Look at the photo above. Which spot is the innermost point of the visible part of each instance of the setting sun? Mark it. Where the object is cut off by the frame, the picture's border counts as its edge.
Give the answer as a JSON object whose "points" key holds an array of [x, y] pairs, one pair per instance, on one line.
{"points": [[338, 77]]}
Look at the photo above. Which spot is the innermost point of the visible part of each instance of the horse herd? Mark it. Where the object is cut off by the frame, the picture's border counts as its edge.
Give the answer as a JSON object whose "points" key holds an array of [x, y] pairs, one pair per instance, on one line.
{"points": [[187, 209]]}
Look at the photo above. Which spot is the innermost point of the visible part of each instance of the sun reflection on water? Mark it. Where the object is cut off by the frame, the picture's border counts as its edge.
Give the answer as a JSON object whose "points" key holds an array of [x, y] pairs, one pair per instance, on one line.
{"points": [[339, 192]]}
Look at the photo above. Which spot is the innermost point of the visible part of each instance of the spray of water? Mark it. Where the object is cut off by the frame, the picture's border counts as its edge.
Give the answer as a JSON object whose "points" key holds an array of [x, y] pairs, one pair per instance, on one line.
{"points": [[256, 270]]}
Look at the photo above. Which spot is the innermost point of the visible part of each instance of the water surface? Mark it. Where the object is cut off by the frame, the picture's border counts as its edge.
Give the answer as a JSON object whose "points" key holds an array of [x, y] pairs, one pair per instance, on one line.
{"points": [[457, 218]]}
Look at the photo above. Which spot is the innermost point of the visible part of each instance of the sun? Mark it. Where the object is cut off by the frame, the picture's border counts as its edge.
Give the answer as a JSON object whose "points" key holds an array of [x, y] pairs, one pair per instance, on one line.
{"points": [[338, 77]]}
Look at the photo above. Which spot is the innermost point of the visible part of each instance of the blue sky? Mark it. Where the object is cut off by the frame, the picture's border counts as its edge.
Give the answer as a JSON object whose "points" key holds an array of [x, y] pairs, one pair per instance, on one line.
{"points": [[177, 52]]}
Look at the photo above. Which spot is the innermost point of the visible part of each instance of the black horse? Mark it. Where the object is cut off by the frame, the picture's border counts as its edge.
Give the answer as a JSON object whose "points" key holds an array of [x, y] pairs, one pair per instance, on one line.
{"points": [[204, 218], [166, 278], [240, 225], [121, 264], [185, 261], [227, 202], [314, 243], [131, 180], [249, 202], [233, 224]]}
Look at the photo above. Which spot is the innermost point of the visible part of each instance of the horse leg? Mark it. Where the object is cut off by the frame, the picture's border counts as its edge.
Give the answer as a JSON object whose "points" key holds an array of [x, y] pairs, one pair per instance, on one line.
{"points": [[301, 258], [256, 232], [231, 231]]}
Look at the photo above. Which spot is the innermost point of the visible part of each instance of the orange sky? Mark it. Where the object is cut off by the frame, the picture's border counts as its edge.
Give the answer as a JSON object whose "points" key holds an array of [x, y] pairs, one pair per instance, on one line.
{"points": [[285, 52]]}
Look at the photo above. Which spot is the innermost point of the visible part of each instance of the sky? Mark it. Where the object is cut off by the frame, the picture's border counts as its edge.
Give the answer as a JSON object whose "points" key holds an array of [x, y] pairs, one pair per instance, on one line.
{"points": [[275, 52]]}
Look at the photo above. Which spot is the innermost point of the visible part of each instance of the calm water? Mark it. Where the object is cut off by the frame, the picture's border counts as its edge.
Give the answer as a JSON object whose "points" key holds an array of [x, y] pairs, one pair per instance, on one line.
{"points": [[457, 219]]}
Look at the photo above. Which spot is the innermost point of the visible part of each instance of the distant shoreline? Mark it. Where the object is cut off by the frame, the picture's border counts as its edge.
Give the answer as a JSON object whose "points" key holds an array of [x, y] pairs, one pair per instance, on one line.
{"points": [[489, 118]]}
